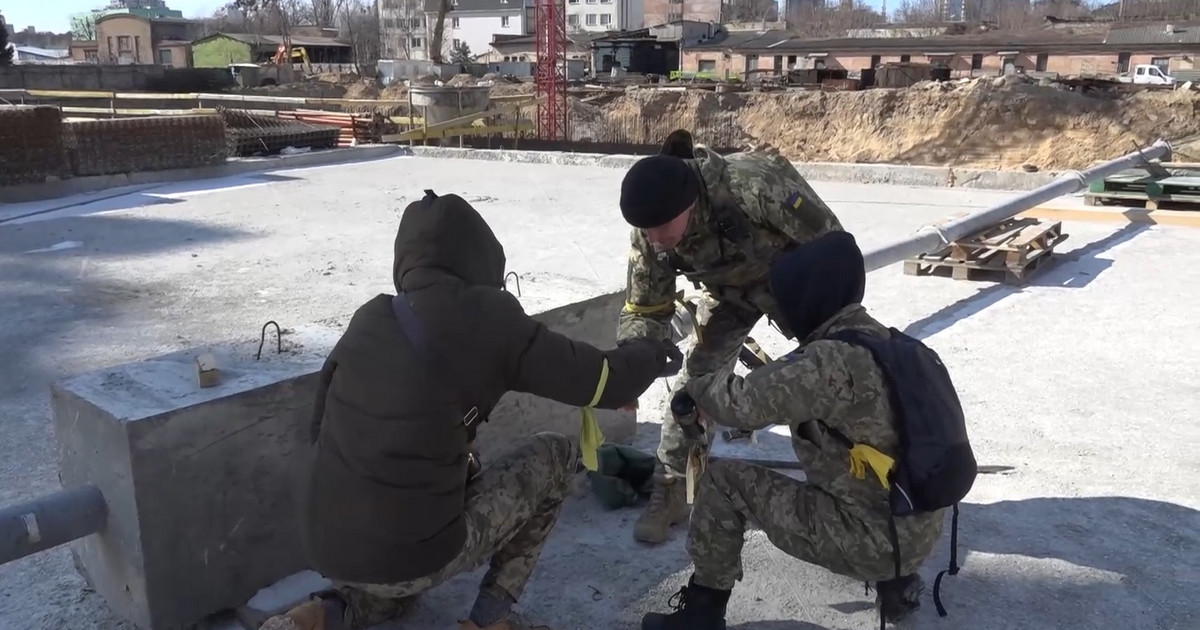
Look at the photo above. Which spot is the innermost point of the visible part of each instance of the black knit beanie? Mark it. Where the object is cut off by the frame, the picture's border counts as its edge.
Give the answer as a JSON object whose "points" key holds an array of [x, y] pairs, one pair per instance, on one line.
{"points": [[656, 190]]}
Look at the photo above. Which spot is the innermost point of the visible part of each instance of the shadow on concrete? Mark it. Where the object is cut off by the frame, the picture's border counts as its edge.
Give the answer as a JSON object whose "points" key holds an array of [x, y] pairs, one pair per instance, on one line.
{"points": [[129, 197], [49, 295], [1072, 270], [1097, 562]]}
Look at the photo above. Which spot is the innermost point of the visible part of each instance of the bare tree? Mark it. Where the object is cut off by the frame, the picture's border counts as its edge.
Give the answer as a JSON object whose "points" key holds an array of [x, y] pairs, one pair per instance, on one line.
{"points": [[324, 13], [360, 24], [749, 11], [919, 11], [821, 20], [436, 52]]}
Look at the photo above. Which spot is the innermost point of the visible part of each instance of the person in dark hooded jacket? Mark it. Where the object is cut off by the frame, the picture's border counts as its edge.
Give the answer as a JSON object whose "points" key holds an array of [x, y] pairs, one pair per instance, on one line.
{"points": [[836, 519], [389, 510]]}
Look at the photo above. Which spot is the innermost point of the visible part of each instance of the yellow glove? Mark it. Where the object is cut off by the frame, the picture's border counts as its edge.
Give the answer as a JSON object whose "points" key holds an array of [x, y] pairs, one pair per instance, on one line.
{"points": [[590, 436]]}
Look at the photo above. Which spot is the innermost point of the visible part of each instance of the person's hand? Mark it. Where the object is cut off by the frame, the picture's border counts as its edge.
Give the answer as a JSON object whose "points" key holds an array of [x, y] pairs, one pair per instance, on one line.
{"points": [[674, 359]]}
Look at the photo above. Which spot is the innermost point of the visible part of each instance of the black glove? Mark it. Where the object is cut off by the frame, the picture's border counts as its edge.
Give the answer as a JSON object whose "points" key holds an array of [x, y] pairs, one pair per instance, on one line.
{"points": [[674, 359]]}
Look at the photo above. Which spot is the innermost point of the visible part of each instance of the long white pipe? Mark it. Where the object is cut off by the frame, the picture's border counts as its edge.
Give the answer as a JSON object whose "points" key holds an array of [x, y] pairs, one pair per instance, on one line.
{"points": [[931, 239]]}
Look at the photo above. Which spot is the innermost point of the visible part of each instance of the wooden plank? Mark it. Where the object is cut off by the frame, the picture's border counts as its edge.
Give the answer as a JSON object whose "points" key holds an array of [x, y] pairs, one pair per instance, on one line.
{"points": [[488, 130], [69, 94], [137, 112], [1184, 218], [153, 96]]}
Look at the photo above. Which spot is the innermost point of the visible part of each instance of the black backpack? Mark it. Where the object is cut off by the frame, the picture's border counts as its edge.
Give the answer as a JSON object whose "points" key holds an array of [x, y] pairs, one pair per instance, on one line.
{"points": [[936, 467]]}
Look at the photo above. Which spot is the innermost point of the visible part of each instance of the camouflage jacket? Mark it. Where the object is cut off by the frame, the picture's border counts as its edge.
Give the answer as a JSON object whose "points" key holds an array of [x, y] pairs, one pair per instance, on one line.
{"points": [[753, 208], [841, 385]]}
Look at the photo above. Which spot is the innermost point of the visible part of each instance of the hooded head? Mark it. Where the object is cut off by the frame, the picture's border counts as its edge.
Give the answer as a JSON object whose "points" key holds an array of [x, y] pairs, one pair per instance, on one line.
{"points": [[446, 233], [816, 280]]}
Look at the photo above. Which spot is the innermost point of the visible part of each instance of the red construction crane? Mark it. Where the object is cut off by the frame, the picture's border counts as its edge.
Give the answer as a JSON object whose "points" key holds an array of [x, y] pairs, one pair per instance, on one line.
{"points": [[550, 73]]}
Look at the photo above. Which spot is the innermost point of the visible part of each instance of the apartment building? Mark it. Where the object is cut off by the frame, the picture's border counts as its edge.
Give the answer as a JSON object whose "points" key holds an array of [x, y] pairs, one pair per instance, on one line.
{"points": [[600, 16]]}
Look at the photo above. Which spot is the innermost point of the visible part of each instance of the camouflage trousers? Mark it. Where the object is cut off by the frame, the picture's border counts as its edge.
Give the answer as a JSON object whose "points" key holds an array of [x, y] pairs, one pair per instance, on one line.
{"points": [[801, 520], [510, 509], [722, 331]]}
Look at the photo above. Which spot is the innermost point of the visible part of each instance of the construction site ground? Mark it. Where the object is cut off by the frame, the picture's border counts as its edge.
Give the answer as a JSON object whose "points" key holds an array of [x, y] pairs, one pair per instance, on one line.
{"points": [[1011, 122], [1085, 383]]}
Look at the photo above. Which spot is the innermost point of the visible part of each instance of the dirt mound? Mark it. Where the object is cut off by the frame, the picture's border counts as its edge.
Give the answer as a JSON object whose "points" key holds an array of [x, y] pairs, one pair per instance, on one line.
{"points": [[512, 89], [978, 123], [363, 88]]}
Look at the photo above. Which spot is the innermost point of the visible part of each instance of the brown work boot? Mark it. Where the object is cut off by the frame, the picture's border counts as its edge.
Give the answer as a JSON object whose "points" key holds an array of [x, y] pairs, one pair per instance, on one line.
{"points": [[307, 616], [668, 506]]}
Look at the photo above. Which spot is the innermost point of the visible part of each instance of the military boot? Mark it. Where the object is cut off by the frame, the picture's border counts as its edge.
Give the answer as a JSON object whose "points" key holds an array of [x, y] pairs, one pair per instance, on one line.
{"points": [[696, 608], [310, 615], [668, 506], [900, 597]]}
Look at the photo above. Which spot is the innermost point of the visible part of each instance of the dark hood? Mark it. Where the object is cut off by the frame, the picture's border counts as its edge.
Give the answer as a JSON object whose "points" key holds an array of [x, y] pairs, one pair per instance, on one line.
{"points": [[446, 233], [815, 281]]}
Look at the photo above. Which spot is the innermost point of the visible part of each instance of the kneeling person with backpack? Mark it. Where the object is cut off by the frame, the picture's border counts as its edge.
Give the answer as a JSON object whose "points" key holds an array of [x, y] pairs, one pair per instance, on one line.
{"points": [[875, 422]]}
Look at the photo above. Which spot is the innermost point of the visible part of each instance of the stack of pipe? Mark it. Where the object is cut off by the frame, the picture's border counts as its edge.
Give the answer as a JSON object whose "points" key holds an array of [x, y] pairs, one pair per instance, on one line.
{"points": [[354, 129]]}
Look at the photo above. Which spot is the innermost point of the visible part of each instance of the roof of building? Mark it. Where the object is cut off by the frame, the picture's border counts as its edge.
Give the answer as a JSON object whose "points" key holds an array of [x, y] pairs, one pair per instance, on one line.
{"points": [[1048, 38], [276, 40], [460, 6], [580, 38], [1159, 33], [156, 20]]}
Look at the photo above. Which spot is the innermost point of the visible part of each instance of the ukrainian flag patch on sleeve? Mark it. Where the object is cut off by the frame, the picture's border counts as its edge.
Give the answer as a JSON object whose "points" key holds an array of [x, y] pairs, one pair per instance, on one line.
{"points": [[794, 200]]}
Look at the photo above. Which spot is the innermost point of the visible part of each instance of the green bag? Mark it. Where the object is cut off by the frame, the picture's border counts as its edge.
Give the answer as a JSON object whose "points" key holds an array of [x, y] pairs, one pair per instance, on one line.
{"points": [[623, 475]]}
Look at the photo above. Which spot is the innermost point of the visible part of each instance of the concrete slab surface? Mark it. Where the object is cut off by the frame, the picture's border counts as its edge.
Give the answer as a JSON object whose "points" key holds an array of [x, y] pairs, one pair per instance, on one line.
{"points": [[1085, 382]]}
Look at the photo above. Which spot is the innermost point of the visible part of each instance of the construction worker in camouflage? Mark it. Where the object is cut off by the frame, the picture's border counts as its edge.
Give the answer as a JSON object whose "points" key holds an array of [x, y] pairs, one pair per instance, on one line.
{"points": [[827, 392], [720, 221]]}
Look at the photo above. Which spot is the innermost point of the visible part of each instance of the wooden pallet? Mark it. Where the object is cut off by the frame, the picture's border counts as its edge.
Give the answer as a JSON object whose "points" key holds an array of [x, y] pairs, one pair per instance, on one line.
{"points": [[1009, 252]]}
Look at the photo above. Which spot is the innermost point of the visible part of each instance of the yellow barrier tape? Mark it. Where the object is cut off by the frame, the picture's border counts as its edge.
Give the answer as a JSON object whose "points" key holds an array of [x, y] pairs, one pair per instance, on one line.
{"points": [[590, 437], [638, 309], [862, 456]]}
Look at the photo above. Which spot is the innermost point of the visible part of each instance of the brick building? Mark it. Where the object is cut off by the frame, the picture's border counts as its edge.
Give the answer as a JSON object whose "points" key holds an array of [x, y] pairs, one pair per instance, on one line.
{"points": [[1095, 51], [126, 38]]}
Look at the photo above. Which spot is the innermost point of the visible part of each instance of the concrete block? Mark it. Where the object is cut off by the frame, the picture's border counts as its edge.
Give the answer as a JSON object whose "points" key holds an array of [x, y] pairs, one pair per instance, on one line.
{"points": [[199, 481]]}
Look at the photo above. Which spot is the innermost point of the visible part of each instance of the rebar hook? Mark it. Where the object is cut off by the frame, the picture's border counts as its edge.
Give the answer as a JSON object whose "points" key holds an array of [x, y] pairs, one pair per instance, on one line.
{"points": [[518, 278], [263, 340]]}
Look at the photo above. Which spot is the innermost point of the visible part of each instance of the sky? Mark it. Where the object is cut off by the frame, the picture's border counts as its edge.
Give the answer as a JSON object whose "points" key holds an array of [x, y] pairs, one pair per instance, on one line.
{"points": [[54, 15]]}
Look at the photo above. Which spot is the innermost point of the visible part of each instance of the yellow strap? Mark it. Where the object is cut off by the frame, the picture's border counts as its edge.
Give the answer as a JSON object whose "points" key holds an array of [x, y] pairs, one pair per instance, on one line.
{"points": [[590, 436], [862, 456], [638, 309]]}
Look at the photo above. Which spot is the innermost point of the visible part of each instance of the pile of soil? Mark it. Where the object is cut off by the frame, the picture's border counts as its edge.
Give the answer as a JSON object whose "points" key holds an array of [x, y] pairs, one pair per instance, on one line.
{"points": [[982, 123]]}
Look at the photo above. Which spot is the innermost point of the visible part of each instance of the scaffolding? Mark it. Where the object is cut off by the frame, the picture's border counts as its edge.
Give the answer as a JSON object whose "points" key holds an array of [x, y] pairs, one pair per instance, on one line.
{"points": [[550, 73]]}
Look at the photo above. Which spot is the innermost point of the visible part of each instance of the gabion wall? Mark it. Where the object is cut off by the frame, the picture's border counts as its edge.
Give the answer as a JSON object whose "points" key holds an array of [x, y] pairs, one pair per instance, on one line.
{"points": [[105, 147], [31, 144]]}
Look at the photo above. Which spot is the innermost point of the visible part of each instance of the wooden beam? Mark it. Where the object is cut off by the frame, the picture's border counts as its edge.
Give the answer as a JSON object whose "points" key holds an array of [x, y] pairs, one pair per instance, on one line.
{"points": [[1186, 218]]}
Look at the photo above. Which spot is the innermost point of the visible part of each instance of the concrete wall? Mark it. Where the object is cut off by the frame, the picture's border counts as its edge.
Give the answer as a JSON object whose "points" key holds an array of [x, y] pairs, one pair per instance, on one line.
{"points": [[81, 77], [991, 64], [199, 483]]}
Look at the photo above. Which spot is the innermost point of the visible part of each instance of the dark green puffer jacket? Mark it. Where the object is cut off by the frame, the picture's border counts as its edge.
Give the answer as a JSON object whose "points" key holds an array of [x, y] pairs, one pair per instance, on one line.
{"points": [[383, 498]]}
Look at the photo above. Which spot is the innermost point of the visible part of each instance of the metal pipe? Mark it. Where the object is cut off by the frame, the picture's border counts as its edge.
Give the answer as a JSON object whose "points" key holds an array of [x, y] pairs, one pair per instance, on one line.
{"points": [[931, 238], [50, 521]]}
